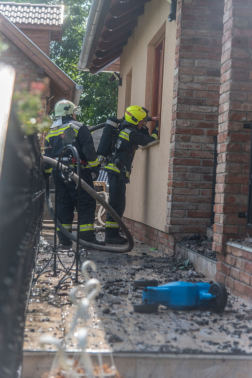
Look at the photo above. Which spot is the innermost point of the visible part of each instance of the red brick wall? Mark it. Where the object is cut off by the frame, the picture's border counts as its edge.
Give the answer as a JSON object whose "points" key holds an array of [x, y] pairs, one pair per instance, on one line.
{"points": [[195, 115], [234, 270], [235, 109], [26, 70]]}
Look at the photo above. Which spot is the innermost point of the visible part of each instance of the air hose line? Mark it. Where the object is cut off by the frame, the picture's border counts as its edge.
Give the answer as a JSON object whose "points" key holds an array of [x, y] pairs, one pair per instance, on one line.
{"points": [[126, 248]]}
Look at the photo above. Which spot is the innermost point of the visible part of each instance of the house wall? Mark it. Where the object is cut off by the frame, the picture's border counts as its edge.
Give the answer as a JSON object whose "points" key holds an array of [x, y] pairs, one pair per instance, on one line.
{"points": [[41, 38], [195, 116], [234, 267], [233, 139], [146, 196], [26, 70]]}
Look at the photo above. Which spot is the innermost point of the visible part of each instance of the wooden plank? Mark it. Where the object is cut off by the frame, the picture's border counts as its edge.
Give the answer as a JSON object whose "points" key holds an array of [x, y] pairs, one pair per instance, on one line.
{"points": [[108, 36], [43, 48], [36, 34], [95, 70], [113, 67], [38, 40], [104, 46], [101, 54], [38, 27], [116, 23], [108, 58], [122, 8], [35, 37], [56, 36]]}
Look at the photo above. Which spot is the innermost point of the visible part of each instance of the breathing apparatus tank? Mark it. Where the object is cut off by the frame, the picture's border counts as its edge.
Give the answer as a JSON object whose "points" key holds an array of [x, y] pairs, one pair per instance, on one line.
{"points": [[108, 136]]}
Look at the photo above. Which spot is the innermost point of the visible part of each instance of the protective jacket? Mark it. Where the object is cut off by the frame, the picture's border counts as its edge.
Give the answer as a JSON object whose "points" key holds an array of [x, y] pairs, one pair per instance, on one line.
{"points": [[127, 142], [67, 195], [54, 144]]}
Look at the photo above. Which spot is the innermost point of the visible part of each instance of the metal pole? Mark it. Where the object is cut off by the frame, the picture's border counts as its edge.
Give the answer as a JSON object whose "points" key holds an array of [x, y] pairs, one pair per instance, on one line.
{"points": [[55, 224], [77, 256]]}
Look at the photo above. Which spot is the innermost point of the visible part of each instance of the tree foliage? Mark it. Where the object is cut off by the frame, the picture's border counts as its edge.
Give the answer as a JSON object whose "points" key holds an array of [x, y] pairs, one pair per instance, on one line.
{"points": [[99, 97]]}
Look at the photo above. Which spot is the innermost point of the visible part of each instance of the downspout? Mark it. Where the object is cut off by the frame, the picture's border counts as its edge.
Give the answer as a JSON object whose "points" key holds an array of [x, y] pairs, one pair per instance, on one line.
{"points": [[77, 94], [96, 19]]}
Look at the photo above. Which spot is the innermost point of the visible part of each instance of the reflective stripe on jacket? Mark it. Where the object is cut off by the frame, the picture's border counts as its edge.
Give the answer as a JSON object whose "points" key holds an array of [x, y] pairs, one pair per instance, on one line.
{"points": [[128, 140], [54, 144]]}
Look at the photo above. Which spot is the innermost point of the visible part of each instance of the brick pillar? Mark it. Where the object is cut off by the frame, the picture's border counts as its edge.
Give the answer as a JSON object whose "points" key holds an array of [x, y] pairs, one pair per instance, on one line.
{"points": [[233, 139], [195, 116]]}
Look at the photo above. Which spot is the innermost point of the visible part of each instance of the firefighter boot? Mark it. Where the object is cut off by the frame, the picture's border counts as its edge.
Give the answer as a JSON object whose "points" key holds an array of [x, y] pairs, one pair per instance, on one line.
{"points": [[89, 236], [112, 236], [64, 242]]}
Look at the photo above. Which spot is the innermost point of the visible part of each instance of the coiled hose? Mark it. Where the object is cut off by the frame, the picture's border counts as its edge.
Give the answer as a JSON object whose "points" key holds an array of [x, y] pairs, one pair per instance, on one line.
{"points": [[96, 196]]}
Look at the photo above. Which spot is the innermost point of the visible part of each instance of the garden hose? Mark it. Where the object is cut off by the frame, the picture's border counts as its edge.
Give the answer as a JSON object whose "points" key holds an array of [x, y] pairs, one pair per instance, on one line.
{"points": [[96, 196]]}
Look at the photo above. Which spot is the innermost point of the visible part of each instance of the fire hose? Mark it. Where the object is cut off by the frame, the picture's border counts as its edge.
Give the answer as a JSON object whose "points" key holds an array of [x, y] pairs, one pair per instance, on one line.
{"points": [[100, 200]]}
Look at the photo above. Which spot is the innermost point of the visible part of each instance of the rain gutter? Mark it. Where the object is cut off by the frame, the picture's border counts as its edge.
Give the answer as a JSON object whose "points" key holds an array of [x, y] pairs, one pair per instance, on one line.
{"points": [[96, 20]]}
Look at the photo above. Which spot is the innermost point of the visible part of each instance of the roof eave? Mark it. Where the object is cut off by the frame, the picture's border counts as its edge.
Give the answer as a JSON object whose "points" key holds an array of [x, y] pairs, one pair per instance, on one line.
{"points": [[61, 79], [96, 20], [105, 37]]}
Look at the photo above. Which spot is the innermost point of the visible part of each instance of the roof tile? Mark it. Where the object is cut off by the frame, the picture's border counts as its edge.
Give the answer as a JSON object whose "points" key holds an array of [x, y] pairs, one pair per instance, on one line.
{"points": [[39, 14]]}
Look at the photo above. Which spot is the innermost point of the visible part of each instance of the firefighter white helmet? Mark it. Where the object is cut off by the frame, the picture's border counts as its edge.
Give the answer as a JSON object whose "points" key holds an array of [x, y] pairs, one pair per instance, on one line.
{"points": [[64, 108]]}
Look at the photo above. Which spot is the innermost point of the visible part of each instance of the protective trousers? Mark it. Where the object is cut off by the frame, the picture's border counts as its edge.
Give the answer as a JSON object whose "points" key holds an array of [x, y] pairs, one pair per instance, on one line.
{"points": [[67, 202], [117, 201]]}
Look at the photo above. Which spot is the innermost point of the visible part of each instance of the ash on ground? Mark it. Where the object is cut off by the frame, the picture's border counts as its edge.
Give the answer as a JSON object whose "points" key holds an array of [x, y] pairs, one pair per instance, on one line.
{"points": [[247, 242], [200, 244], [113, 324]]}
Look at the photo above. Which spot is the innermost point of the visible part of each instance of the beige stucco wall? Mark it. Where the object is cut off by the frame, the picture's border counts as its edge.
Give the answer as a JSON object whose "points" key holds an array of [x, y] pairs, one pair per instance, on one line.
{"points": [[146, 199]]}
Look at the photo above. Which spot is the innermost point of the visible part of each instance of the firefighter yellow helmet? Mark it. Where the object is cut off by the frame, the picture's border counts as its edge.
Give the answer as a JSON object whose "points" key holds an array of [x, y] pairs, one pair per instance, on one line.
{"points": [[64, 108], [134, 114]]}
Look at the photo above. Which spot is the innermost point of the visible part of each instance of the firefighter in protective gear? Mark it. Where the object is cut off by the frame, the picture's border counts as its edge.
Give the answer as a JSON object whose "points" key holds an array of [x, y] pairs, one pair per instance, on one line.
{"points": [[132, 133], [67, 196]]}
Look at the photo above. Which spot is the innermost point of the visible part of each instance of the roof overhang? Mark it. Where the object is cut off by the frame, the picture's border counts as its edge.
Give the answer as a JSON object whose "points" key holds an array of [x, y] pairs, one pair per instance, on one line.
{"points": [[61, 83], [35, 17], [110, 24], [55, 30]]}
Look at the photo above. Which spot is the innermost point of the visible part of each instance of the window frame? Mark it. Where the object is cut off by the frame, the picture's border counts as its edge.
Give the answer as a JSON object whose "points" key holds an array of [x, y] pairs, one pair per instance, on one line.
{"points": [[157, 81]]}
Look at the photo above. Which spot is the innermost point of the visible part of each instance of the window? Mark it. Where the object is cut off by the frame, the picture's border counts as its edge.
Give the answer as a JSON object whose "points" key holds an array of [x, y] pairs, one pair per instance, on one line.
{"points": [[128, 89], [157, 86]]}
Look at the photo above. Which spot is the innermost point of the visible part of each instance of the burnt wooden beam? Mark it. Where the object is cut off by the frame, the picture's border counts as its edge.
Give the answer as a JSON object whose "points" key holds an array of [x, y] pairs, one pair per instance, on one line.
{"points": [[116, 23], [108, 36], [120, 9], [101, 54], [108, 58], [104, 46]]}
